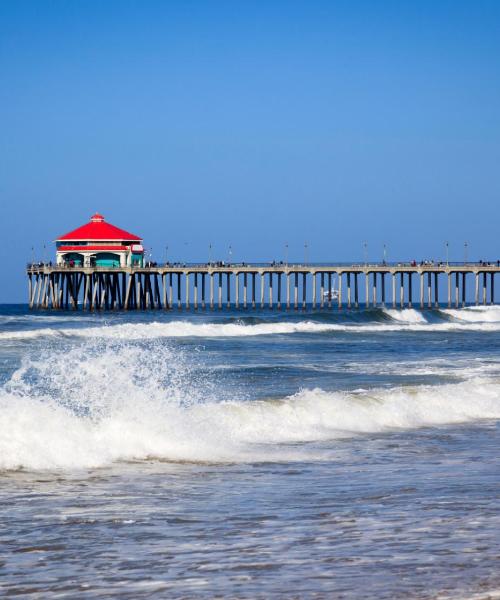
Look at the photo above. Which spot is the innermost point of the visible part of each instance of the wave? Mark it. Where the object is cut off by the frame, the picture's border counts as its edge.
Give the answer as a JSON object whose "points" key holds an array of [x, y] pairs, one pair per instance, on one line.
{"points": [[474, 314], [156, 329], [175, 329], [93, 406], [380, 320], [405, 315]]}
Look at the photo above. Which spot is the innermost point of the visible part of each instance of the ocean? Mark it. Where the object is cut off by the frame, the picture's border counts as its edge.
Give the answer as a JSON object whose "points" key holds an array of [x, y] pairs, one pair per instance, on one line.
{"points": [[250, 454]]}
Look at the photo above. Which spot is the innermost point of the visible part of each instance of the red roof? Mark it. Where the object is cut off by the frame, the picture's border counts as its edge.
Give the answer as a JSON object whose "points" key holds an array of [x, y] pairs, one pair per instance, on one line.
{"points": [[98, 229], [92, 248]]}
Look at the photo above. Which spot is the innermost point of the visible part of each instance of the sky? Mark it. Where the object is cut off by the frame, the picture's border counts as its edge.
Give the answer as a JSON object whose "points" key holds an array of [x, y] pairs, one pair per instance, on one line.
{"points": [[251, 125]]}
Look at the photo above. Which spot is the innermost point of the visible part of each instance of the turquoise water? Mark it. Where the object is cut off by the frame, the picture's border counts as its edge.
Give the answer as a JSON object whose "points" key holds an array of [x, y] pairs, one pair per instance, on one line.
{"points": [[250, 454]]}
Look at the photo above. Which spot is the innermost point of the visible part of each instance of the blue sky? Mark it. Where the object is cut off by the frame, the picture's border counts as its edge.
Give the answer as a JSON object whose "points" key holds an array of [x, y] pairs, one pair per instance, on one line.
{"points": [[251, 124]]}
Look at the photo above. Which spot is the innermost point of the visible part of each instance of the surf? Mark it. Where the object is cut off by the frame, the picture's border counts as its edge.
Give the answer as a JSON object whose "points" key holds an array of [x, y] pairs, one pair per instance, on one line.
{"points": [[379, 321], [95, 405]]}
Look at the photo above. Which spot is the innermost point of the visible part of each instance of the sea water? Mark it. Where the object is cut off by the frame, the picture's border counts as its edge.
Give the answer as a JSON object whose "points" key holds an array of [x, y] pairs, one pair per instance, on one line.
{"points": [[250, 454]]}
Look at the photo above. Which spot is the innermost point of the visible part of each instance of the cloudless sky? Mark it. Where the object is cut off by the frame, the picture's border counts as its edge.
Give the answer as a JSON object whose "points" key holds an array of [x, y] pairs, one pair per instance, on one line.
{"points": [[251, 124]]}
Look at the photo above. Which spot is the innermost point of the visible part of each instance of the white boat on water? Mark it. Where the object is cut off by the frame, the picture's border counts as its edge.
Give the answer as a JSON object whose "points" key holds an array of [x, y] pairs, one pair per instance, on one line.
{"points": [[330, 295]]}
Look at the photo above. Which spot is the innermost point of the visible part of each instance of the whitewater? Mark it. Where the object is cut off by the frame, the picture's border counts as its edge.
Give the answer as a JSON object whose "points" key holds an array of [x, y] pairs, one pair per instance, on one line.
{"points": [[251, 451], [482, 319]]}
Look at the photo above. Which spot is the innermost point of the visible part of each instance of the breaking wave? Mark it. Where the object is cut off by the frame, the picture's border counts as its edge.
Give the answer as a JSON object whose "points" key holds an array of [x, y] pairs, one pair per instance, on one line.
{"points": [[475, 314], [404, 320], [405, 315], [96, 404]]}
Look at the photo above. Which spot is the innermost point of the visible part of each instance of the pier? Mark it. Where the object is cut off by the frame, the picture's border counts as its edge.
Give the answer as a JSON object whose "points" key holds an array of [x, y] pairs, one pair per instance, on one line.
{"points": [[101, 267], [291, 286]]}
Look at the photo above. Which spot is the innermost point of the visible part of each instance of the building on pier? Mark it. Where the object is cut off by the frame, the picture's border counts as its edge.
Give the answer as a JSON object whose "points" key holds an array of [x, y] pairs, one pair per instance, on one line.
{"points": [[99, 244]]}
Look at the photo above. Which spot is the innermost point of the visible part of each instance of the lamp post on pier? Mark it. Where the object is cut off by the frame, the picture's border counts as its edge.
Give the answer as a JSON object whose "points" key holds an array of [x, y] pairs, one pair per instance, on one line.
{"points": [[466, 246], [447, 245]]}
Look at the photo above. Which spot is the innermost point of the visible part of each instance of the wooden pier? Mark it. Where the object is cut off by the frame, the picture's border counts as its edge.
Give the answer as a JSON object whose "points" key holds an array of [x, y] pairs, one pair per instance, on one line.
{"points": [[259, 285]]}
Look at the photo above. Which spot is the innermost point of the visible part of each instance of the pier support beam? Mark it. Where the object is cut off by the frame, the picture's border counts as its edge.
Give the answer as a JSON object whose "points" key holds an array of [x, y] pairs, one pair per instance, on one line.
{"points": [[348, 290], [288, 293], [126, 304], [296, 292], [356, 300], [271, 300], [30, 290], [339, 278], [85, 293], [476, 290], [34, 291], [219, 292], [279, 291], [304, 292]]}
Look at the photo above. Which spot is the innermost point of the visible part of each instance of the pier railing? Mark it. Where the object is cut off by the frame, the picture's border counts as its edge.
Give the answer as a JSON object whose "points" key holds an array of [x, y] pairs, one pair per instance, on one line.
{"points": [[273, 265]]}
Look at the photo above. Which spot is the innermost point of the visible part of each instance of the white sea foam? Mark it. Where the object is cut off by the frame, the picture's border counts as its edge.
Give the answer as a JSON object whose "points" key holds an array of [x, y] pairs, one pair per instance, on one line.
{"points": [[405, 315], [154, 330], [174, 329], [475, 314], [92, 406], [43, 332], [456, 367]]}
